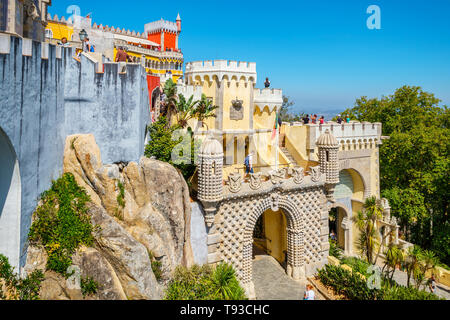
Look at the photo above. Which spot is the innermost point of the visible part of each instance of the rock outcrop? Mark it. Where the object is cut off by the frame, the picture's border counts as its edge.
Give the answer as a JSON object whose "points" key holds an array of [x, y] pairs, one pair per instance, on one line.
{"points": [[143, 212]]}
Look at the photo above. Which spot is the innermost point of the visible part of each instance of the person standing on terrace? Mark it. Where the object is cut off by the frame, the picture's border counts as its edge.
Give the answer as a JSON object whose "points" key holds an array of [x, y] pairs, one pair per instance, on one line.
{"points": [[267, 83]]}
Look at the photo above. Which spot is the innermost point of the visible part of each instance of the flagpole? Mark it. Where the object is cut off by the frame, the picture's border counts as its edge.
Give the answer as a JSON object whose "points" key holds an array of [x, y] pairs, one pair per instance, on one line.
{"points": [[277, 144]]}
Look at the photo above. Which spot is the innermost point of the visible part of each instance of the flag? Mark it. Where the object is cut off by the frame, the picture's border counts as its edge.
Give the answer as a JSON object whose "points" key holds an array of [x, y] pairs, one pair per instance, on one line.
{"points": [[275, 127]]}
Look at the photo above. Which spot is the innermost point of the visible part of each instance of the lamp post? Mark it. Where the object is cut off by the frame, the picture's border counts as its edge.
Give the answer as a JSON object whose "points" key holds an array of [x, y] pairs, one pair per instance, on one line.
{"points": [[83, 35]]}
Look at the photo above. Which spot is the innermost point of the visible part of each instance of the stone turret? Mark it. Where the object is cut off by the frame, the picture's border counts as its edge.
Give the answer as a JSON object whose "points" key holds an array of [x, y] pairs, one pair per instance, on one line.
{"points": [[328, 158], [210, 178]]}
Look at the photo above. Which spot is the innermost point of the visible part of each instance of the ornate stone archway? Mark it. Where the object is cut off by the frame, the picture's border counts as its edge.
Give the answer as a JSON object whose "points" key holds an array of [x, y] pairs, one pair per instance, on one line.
{"points": [[346, 225]]}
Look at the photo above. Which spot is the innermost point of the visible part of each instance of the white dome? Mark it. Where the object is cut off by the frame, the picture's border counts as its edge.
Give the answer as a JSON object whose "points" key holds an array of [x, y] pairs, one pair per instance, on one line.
{"points": [[327, 140], [211, 146]]}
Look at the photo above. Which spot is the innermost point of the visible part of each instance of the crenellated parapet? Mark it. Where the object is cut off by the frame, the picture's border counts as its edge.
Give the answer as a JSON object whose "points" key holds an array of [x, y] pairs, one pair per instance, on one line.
{"points": [[273, 98], [222, 70], [161, 26]]}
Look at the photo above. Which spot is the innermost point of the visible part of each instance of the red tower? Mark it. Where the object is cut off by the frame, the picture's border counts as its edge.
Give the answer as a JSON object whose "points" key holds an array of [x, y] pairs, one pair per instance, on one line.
{"points": [[164, 33]]}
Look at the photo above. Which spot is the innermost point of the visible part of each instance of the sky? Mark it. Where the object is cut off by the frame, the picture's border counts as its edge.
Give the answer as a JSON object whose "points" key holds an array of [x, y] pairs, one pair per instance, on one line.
{"points": [[321, 53]]}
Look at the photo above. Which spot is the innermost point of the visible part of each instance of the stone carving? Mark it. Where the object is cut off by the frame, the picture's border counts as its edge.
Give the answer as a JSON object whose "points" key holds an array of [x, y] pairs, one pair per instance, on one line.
{"points": [[274, 201], [31, 10], [237, 110], [298, 174], [315, 173], [234, 182], [276, 176], [255, 180]]}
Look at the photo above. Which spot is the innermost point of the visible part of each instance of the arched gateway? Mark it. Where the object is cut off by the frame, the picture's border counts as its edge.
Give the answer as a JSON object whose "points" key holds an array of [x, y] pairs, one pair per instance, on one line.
{"points": [[232, 211]]}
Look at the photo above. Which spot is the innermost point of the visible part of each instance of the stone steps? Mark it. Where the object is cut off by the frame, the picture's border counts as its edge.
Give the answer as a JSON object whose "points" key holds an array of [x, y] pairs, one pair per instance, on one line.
{"points": [[288, 155]]}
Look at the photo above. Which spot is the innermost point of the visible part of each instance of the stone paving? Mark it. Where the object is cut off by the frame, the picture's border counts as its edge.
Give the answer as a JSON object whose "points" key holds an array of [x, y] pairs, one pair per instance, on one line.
{"points": [[272, 282]]}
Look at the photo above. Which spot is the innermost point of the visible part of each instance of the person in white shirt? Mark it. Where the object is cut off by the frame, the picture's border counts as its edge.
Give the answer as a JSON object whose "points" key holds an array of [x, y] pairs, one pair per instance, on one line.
{"points": [[309, 294]]}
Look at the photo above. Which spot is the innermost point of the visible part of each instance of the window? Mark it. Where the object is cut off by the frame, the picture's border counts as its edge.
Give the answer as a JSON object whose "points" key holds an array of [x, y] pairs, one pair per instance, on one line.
{"points": [[49, 33]]}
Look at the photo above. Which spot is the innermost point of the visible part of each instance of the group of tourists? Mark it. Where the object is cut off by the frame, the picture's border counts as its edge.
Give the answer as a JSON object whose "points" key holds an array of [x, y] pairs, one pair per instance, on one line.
{"points": [[313, 119]]}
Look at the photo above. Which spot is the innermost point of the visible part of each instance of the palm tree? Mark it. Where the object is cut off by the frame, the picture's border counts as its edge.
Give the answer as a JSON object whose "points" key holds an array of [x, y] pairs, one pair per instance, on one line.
{"points": [[366, 222], [411, 263], [394, 257], [170, 90], [185, 110], [204, 110]]}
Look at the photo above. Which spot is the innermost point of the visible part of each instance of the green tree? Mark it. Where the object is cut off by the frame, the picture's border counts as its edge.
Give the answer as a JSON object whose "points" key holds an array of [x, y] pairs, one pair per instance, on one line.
{"points": [[365, 220], [204, 110], [286, 114], [170, 91], [185, 110], [414, 162]]}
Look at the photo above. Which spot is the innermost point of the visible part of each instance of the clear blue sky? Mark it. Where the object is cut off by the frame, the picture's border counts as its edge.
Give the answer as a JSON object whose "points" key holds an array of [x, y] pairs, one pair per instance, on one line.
{"points": [[321, 53]]}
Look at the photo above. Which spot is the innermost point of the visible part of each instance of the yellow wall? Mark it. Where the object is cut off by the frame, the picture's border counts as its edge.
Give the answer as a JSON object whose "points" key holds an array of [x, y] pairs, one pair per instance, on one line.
{"points": [[233, 89], [60, 30], [275, 227]]}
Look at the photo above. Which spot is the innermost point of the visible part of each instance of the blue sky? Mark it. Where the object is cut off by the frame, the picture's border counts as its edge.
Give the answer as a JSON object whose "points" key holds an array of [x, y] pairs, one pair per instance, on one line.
{"points": [[321, 53]]}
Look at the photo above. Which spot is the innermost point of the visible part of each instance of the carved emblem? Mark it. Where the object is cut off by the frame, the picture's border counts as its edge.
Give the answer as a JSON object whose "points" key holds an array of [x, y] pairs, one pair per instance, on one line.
{"points": [[276, 176], [315, 173], [274, 201], [234, 182], [237, 110], [298, 174], [255, 180]]}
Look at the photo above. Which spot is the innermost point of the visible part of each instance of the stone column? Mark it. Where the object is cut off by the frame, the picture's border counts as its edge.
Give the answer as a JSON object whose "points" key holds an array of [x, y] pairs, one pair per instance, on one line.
{"points": [[296, 250], [247, 271]]}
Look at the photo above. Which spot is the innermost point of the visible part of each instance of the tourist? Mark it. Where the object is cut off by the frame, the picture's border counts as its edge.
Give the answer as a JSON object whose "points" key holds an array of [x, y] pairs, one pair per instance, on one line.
{"points": [[63, 42], [432, 284], [306, 119], [248, 162], [314, 119], [122, 58], [267, 83], [339, 119], [86, 45], [322, 120], [347, 119], [309, 294], [333, 236]]}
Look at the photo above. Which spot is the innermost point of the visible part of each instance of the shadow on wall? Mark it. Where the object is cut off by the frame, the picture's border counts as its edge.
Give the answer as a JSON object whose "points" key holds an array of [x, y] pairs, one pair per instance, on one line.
{"points": [[7, 162]]}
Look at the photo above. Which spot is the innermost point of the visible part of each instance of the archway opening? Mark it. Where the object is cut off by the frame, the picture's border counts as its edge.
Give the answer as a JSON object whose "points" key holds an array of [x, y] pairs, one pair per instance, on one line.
{"points": [[337, 231], [10, 201], [270, 236]]}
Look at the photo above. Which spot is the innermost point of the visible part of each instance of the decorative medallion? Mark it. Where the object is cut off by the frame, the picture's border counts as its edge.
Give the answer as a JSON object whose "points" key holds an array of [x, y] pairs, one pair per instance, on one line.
{"points": [[277, 176], [298, 174], [315, 173], [255, 180], [274, 204], [237, 110], [234, 182]]}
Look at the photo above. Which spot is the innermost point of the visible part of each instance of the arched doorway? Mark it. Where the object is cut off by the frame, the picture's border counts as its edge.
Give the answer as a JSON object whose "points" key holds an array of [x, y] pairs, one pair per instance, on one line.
{"points": [[340, 227], [270, 236], [294, 256], [10, 201]]}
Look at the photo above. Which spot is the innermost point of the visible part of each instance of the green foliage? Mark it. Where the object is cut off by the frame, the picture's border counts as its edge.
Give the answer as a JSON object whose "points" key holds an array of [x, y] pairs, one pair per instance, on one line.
{"points": [[156, 266], [205, 109], [205, 283], [163, 142], [120, 201], [16, 288], [354, 287], [414, 163], [285, 112], [61, 222], [335, 251], [357, 265], [365, 221], [88, 286]]}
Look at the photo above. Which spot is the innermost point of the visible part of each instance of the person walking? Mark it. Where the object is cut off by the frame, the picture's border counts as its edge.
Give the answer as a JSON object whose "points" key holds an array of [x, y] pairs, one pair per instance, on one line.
{"points": [[309, 294], [248, 162], [432, 284]]}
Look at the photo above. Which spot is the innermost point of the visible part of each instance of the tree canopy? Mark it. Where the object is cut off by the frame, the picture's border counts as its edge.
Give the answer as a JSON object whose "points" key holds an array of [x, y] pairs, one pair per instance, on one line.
{"points": [[414, 162]]}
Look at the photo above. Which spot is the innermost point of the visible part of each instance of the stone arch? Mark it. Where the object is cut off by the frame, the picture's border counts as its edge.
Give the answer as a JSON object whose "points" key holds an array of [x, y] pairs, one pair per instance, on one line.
{"points": [[10, 201], [346, 225], [295, 237]]}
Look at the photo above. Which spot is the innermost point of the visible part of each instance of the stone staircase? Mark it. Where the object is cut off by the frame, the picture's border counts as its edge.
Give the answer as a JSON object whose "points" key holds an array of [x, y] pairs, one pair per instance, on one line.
{"points": [[288, 155]]}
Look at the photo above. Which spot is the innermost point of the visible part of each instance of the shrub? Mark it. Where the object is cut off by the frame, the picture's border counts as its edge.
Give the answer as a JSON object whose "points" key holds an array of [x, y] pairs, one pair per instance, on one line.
{"points": [[88, 286], [15, 287], [61, 223], [357, 265], [355, 288], [205, 283], [156, 266], [335, 251]]}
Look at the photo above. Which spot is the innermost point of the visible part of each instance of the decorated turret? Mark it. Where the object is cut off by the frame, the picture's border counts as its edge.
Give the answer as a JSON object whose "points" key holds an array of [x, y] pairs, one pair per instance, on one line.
{"points": [[328, 158], [210, 180]]}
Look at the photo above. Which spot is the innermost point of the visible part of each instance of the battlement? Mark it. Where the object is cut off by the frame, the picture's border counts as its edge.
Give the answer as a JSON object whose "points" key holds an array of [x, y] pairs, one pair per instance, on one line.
{"points": [[273, 98], [86, 22], [161, 25], [222, 69], [29, 46]]}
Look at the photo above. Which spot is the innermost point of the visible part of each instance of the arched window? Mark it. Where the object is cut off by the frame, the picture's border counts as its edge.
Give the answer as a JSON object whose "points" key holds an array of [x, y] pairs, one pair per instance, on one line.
{"points": [[48, 33]]}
